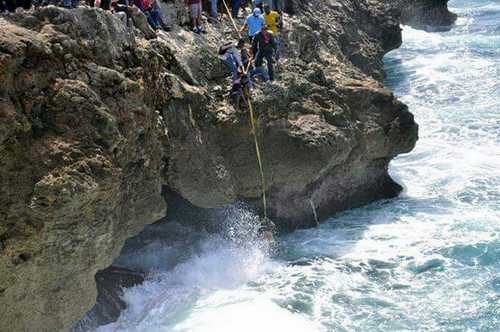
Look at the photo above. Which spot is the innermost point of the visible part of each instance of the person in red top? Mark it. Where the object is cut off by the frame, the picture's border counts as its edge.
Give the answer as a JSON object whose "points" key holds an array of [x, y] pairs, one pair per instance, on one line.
{"points": [[195, 9]]}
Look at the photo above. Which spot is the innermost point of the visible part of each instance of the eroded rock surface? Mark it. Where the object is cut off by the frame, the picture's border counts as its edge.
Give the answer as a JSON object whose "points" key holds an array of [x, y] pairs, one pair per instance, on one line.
{"points": [[95, 119], [81, 158]]}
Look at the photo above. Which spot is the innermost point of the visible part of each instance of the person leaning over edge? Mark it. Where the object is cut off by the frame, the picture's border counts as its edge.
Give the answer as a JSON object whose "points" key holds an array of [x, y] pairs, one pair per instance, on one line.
{"points": [[230, 54]]}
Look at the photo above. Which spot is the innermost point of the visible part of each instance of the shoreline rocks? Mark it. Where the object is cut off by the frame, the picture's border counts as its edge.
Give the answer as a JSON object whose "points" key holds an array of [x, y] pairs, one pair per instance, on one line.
{"points": [[110, 285]]}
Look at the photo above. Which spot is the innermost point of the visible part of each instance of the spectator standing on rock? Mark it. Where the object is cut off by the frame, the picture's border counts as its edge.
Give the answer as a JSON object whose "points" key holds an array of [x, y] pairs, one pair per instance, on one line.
{"points": [[214, 9], [152, 11], [272, 19], [195, 9], [273, 22], [235, 8], [120, 9], [72, 3], [260, 4], [279, 6], [263, 47], [6, 6], [253, 23]]}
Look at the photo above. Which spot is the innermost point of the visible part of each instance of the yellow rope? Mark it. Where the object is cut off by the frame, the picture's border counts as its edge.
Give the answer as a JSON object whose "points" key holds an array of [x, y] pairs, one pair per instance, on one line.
{"points": [[254, 124], [257, 151], [232, 20]]}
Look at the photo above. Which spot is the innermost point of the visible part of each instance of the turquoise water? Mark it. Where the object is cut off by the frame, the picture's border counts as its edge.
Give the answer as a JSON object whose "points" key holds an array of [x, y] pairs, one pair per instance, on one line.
{"points": [[426, 261]]}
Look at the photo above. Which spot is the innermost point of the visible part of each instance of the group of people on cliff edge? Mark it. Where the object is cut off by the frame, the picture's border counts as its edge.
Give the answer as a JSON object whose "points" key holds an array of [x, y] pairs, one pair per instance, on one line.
{"points": [[244, 59], [127, 9], [263, 27], [124, 9], [214, 7]]}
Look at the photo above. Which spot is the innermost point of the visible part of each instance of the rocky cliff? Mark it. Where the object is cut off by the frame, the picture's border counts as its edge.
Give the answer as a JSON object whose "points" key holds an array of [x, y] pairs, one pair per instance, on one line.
{"points": [[96, 118]]}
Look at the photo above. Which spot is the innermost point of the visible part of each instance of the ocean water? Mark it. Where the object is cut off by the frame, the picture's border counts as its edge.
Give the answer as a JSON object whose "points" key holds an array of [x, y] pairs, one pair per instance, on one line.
{"points": [[426, 261]]}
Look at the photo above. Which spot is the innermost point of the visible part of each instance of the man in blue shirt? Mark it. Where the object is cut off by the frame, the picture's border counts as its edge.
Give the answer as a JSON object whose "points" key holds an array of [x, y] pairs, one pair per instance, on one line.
{"points": [[254, 23]]}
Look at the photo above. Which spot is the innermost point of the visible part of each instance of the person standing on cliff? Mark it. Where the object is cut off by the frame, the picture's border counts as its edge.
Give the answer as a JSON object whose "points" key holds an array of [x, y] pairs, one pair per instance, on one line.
{"points": [[70, 3], [261, 3], [253, 23], [195, 10], [273, 22], [235, 8], [263, 47], [279, 6], [214, 10], [3, 6], [121, 9]]}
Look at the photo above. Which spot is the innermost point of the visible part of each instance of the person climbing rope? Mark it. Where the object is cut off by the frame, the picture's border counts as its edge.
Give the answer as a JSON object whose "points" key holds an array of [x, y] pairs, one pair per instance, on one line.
{"points": [[240, 89]]}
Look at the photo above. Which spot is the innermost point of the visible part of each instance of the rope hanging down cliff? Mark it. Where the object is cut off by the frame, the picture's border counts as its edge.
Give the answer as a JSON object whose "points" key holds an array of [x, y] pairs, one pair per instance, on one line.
{"points": [[253, 123], [257, 151]]}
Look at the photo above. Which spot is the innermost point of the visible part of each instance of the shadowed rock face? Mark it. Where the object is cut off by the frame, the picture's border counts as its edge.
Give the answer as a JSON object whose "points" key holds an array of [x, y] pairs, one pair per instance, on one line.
{"points": [[95, 119], [109, 303]]}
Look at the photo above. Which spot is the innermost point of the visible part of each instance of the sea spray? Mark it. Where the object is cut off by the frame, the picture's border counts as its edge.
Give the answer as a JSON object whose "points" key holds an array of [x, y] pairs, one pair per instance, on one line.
{"points": [[228, 256]]}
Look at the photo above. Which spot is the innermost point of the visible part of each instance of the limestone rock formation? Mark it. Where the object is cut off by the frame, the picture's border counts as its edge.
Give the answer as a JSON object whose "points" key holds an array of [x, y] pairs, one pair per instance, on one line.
{"points": [[81, 159], [96, 118]]}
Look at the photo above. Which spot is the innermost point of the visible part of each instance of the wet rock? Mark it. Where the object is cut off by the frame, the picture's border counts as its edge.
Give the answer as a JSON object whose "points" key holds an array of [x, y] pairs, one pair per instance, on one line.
{"points": [[111, 283]]}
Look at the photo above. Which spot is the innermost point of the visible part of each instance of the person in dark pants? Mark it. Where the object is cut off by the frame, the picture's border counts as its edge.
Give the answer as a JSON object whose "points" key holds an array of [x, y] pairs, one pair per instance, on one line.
{"points": [[106, 4], [8, 6], [235, 8], [122, 9], [263, 47], [11, 5]]}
